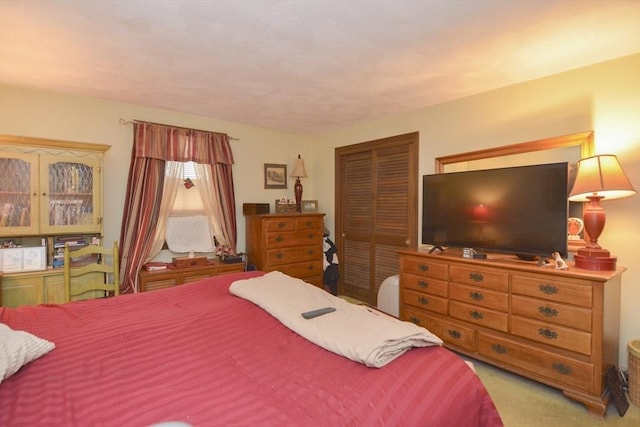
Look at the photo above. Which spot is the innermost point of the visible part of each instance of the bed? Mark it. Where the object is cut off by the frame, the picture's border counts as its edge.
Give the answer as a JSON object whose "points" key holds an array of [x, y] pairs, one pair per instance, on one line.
{"points": [[200, 355]]}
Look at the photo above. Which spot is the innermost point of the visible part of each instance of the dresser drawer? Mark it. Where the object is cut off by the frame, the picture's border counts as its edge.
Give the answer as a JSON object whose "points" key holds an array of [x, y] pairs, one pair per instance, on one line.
{"points": [[547, 311], [453, 334], [293, 254], [558, 368], [481, 297], [449, 332], [309, 223], [424, 284], [279, 224], [553, 290], [557, 336], [424, 267], [424, 301], [478, 315], [302, 270], [487, 278], [293, 238]]}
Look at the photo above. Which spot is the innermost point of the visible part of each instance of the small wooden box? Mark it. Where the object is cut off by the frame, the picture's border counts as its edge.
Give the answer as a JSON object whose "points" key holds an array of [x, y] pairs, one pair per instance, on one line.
{"points": [[190, 262], [255, 208]]}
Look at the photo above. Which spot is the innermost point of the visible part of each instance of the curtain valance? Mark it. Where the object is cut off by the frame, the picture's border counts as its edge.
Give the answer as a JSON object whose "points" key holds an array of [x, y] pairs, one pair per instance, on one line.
{"points": [[180, 144]]}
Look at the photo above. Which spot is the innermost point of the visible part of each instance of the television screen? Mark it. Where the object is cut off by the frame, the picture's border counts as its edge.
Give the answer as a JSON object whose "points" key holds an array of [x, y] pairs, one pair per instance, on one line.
{"points": [[520, 210]]}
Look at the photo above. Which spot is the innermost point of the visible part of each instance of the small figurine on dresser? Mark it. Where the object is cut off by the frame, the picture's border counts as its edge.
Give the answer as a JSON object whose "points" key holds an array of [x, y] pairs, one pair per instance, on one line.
{"points": [[560, 263]]}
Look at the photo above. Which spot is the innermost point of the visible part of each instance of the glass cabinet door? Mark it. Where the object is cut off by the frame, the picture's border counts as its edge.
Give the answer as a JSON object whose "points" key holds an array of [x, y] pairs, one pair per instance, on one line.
{"points": [[71, 194], [18, 194]]}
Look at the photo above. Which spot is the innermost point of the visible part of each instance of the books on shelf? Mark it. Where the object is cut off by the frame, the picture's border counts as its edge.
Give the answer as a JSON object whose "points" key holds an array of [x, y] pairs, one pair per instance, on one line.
{"points": [[14, 215], [69, 240], [74, 242], [5, 211]]}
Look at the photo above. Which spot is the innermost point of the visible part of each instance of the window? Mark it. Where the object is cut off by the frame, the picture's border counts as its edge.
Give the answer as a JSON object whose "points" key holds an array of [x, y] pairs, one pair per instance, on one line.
{"points": [[193, 219], [188, 200]]}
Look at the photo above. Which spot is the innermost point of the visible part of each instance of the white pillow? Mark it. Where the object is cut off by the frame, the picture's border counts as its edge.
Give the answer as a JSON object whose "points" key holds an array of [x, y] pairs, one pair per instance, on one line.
{"points": [[17, 348]]}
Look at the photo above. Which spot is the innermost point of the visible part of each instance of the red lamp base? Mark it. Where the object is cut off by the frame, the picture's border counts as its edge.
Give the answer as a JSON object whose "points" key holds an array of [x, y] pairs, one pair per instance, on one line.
{"points": [[595, 259]]}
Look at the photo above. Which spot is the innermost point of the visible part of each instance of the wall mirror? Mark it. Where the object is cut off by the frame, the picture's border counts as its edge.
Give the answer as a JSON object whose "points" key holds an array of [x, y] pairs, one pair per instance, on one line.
{"points": [[569, 148]]}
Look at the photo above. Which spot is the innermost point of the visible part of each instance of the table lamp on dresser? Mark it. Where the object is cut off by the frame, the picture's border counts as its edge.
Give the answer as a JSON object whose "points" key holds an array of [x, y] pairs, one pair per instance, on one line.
{"points": [[298, 172], [598, 177]]}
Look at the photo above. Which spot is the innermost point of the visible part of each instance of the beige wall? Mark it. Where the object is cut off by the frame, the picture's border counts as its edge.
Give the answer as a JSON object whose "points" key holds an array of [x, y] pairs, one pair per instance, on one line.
{"points": [[604, 98], [37, 113]]}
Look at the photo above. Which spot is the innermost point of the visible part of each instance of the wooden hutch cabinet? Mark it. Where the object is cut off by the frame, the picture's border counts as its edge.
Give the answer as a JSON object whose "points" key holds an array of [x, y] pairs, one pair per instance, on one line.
{"points": [[48, 188], [290, 243], [557, 327]]}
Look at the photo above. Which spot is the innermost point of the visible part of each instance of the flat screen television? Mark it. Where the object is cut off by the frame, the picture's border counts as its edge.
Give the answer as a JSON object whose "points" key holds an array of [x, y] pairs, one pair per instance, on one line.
{"points": [[520, 210]]}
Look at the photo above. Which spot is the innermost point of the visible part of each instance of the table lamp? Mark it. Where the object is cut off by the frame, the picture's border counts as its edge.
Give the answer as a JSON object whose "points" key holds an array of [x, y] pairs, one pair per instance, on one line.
{"points": [[598, 177], [298, 172]]}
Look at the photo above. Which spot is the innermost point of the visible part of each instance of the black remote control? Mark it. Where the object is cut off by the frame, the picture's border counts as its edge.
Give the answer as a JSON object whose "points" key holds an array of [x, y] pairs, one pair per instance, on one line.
{"points": [[319, 312]]}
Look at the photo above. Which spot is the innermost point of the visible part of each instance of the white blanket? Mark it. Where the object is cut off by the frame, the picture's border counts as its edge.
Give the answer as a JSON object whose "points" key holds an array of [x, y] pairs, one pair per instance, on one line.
{"points": [[353, 331]]}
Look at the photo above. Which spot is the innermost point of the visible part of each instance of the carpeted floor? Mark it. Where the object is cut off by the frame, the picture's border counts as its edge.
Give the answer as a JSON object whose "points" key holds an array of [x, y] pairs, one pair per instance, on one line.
{"points": [[524, 403]]}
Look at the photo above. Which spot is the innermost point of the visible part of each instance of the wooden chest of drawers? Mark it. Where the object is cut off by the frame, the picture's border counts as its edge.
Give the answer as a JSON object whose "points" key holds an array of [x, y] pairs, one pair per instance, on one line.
{"points": [[290, 243], [557, 327]]}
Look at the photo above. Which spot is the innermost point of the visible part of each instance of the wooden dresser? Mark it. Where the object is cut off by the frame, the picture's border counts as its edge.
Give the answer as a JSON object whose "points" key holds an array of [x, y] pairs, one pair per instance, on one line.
{"points": [[557, 327], [290, 243], [152, 280]]}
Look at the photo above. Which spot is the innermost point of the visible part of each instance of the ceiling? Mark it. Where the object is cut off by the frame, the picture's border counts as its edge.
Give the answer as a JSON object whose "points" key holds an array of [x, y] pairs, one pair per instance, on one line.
{"points": [[303, 66]]}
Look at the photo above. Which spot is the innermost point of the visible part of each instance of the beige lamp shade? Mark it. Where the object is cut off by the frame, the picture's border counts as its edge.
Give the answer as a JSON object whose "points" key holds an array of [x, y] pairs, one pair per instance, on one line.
{"points": [[600, 176], [298, 169]]}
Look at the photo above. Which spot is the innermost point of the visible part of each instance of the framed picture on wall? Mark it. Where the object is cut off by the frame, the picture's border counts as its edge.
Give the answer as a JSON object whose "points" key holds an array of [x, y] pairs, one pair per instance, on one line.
{"points": [[275, 176]]}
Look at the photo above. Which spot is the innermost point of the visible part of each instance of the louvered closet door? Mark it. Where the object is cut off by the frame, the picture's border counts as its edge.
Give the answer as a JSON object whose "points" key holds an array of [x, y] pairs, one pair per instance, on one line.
{"points": [[376, 211]]}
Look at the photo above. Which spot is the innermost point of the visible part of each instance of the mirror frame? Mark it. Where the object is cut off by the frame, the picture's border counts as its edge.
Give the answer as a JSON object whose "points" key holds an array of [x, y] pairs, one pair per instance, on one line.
{"points": [[584, 140]]}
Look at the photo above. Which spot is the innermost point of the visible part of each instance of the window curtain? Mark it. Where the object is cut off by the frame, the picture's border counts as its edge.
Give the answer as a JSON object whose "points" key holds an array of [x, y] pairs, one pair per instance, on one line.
{"points": [[223, 219], [172, 179], [153, 146]]}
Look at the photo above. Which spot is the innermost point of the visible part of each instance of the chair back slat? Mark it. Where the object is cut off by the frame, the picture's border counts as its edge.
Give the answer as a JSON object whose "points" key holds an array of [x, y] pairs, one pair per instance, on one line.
{"points": [[91, 268]]}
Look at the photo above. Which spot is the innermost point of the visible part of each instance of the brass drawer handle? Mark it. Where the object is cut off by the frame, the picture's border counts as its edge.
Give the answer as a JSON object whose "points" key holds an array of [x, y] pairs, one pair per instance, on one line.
{"points": [[476, 296], [548, 311], [423, 267], [455, 334], [310, 267], [310, 252], [422, 284], [415, 320], [561, 368], [548, 334], [476, 315], [476, 277], [282, 224], [279, 255], [548, 289], [279, 239], [308, 223], [310, 236], [500, 349], [423, 300]]}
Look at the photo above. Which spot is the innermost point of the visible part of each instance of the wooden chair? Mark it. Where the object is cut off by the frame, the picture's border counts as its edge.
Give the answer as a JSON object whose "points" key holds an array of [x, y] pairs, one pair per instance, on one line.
{"points": [[91, 268]]}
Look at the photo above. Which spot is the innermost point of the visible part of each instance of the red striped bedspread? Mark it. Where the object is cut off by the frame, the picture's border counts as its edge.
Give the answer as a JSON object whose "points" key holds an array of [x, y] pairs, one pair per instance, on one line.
{"points": [[197, 354]]}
